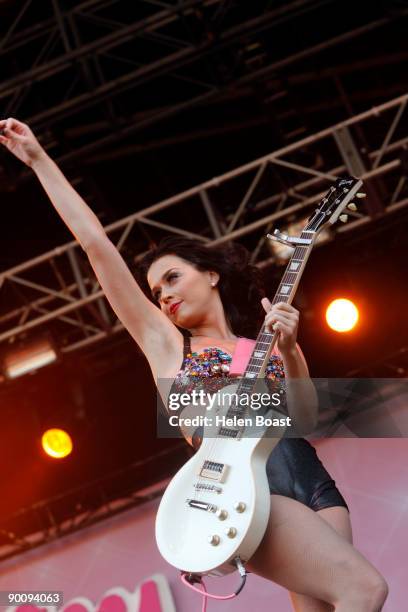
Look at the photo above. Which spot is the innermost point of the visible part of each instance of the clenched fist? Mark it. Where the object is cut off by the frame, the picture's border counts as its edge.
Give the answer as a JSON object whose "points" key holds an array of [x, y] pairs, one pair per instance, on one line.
{"points": [[19, 140]]}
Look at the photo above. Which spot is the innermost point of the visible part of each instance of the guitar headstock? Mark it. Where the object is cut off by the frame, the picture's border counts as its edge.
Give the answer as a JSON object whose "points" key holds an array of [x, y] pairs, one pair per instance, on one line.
{"points": [[339, 196]]}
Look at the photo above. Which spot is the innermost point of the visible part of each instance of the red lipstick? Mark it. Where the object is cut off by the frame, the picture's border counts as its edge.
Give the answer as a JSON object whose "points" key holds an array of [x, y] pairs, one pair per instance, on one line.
{"points": [[174, 307]]}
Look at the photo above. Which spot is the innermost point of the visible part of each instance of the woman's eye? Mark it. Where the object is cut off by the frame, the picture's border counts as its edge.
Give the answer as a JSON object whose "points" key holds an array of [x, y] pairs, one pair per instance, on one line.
{"points": [[156, 296]]}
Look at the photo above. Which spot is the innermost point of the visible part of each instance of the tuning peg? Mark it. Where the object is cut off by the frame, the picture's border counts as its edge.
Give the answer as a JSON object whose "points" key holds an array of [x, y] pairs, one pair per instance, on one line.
{"points": [[352, 206], [361, 194], [343, 218]]}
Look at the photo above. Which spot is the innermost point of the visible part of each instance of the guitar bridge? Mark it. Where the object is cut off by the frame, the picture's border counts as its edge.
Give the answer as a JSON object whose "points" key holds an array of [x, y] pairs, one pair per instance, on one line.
{"points": [[210, 488]]}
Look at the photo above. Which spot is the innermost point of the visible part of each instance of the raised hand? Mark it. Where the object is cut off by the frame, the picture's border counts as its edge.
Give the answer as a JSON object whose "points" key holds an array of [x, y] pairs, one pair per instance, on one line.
{"points": [[19, 140]]}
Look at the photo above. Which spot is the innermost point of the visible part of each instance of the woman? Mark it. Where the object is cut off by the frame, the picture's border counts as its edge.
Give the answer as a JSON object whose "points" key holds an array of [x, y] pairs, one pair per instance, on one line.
{"points": [[306, 549]]}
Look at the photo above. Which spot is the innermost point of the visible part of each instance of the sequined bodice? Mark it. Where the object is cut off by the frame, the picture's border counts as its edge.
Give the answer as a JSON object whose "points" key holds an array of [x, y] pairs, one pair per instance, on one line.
{"points": [[211, 368]]}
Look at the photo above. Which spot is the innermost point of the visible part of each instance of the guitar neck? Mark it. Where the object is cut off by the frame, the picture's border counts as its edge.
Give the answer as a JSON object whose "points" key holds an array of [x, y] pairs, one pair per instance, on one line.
{"points": [[327, 212], [286, 291]]}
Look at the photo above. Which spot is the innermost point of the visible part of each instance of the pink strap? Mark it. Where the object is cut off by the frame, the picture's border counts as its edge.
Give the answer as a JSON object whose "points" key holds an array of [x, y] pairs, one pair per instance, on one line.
{"points": [[242, 353]]}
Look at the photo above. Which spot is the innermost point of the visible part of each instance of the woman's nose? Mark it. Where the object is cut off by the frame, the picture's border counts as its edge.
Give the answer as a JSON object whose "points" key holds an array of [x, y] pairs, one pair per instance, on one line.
{"points": [[166, 297]]}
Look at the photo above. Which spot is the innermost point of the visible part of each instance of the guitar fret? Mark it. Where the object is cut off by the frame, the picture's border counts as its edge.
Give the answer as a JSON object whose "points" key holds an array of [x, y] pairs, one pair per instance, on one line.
{"points": [[275, 299], [234, 410], [289, 277], [246, 390]]}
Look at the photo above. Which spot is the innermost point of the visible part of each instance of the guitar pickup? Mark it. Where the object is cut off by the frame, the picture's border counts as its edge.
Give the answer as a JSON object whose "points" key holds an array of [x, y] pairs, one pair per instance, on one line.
{"points": [[213, 471]]}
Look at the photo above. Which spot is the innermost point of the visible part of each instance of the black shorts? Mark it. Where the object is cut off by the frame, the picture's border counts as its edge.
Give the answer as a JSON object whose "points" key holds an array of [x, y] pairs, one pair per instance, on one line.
{"points": [[294, 470]]}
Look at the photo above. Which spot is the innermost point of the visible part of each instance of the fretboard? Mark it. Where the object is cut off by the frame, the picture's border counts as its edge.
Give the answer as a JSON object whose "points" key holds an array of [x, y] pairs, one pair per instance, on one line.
{"points": [[266, 340]]}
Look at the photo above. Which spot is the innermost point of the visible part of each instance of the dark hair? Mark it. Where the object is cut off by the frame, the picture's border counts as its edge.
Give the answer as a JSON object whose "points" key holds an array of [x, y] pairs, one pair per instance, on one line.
{"points": [[240, 284]]}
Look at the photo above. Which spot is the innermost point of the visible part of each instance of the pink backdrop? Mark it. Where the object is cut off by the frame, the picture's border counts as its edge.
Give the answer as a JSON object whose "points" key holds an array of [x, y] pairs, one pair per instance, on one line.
{"points": [[372, 475]]}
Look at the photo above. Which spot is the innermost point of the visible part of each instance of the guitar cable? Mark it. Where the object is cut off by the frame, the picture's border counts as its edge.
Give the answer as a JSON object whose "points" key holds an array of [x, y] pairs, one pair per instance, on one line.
{"points": [[189, 579]]}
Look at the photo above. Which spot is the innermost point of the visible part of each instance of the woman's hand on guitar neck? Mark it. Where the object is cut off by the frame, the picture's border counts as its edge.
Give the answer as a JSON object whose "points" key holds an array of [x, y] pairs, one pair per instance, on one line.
{"points": [[282, 318], [19, 140]]}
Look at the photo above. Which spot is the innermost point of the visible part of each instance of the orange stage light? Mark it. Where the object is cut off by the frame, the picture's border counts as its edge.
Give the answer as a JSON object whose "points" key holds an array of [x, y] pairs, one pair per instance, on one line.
{"points": [[342, 315], [56, 443]]}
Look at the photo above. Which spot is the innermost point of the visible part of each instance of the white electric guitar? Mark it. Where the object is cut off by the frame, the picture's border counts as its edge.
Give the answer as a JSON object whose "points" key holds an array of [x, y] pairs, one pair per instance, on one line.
{"points": [[216, 508]]}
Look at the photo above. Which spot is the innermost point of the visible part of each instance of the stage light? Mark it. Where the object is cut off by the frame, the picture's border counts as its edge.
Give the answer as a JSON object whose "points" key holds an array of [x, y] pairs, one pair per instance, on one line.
{"points": [[341, 315], [28, 357], [56, 443]]}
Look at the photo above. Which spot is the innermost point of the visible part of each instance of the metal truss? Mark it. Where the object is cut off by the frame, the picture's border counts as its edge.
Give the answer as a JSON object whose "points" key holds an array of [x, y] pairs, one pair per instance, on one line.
{"points": [[83, 59], [58, 290], [84, 506], [178, 33], [392, 365]]}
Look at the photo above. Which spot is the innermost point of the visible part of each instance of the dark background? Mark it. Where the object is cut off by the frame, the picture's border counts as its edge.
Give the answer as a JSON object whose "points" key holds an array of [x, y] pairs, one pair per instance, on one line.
{"points": [[105, 395]]}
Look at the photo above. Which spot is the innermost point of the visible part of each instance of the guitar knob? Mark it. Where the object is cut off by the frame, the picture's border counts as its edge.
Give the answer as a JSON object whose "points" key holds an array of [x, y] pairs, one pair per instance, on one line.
{"points": [[361, 194], [231, 532], [343, 218], [222, 514], [352, 206], [239, 506], [214, 539]]}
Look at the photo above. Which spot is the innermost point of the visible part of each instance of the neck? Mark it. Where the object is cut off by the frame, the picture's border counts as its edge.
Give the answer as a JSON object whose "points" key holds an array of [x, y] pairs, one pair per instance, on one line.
{"points": [[215, 325], [222, 332]]}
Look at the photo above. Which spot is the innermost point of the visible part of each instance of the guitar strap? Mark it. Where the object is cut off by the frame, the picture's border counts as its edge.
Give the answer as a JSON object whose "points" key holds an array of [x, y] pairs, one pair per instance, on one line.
{"points": [[186, 347]]}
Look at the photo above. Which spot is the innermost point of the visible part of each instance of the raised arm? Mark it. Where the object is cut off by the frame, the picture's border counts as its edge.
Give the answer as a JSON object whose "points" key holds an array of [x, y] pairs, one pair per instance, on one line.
{"points": [[158, 338]]}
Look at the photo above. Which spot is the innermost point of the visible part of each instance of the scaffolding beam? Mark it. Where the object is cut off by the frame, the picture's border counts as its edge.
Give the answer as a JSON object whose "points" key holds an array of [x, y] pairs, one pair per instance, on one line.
{"points": [[69, 289]]}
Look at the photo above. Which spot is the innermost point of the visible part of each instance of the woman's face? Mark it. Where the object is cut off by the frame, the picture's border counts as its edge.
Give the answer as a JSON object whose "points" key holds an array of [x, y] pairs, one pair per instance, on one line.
{"points": [[183, 292]]}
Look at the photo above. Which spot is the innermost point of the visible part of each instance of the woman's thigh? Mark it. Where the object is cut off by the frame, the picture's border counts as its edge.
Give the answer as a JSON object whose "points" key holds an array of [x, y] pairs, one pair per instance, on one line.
{"points": [[337, 517], [304, 554]]}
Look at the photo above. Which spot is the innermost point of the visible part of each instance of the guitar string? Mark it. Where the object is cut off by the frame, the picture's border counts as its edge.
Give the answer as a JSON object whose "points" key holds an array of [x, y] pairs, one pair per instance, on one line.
{"points": [[263, 336], [269, 337], [213, 454], [297, 254]]}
